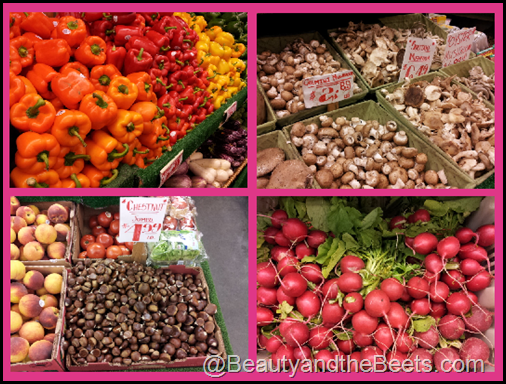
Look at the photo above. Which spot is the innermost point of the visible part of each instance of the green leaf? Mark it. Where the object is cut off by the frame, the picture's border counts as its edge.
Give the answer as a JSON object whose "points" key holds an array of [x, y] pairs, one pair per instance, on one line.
{"points": [[263, 223], [340, 222], [436, 208], [263, 254], [300, 206], [372, 219], [260, 239], [317, 209], [465, 204], [343, 335], [308, 259], [370, 238], [350, 242], [423, 325], [288, 204], [334, 259], [268, 331], [284, 310], [326, 250]]}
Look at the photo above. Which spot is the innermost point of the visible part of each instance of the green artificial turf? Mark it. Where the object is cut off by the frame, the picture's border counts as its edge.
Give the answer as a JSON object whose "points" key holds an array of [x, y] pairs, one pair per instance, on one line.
{"points": [[488, 184], [242, 179]]}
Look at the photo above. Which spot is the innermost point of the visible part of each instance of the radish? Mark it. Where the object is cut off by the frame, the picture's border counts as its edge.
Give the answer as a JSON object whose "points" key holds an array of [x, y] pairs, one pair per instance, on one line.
{"points": [[332, 314], [480, 319], [425, 243], [287, 323], [308, 304], [474, 350], [284, 352], [270, 234], [445, 358], [465, 235], [392, 288], [438, 292], [350, 282], [353, 302], [354, 362], [479, 281], [433, 263], [281, 240], [261, 341], [404, 343], [448, 248], [409, 241], [475, 252], [264, 316], [362, 340], [397, 222], [278, 217], [277, 253], [302, 353], [422, 360], [472, 296], [294, 230], [351, 263], [319, 337], [420, 215], [438, 310], [287, 264], [267, 275], [267, 296], [345, 346], [330, 289], [399, 357], [273, 344], [418, 288], [486, 235], [297, 335], [420, 307], [302, 250], [470, 267], [281, 296], [431, 277], [377, 303], [312, 272], [397, 317], [451, 327], [383, 337], [454, 279], [406, 296], [316, 238], [458, 303], [339, 360], [364, 323], [322, 359], [293, 285], [428, 339], [370, 353]]}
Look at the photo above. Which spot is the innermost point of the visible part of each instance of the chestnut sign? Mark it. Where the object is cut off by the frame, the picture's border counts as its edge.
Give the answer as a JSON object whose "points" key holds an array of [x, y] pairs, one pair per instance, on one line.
{"points": [[141, 218]]}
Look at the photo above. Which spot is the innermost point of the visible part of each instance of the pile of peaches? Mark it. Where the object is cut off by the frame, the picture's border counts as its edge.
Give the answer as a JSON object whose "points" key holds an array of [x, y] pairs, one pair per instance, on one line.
{"points": [[38, 235]]}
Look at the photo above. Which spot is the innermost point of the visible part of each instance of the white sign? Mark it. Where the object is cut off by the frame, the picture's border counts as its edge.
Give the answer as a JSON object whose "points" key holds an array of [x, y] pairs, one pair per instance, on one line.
{"points": [[229, 112], [141, 218], [327, 89], [458, 46], [167, 171], [417, 58]]}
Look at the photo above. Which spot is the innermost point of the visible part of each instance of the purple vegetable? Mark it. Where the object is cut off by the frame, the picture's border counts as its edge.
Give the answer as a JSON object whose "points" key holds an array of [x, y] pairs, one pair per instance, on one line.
{"points": [[210, 186], [182, 169], [198, 182], [179, 181]]}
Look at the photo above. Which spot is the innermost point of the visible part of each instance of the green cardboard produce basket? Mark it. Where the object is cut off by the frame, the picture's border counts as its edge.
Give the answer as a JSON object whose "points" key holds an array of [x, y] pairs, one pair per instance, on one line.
{"points": [[270, 121]]}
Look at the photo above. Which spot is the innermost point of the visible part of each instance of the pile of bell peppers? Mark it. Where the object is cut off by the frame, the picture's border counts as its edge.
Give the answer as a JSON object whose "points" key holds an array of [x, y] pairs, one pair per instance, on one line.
{"points": [[92, 90]]}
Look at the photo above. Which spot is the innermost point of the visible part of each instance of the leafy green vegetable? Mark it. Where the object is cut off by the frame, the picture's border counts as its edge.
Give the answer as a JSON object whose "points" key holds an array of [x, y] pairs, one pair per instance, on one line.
{"points": [[317, 208]]}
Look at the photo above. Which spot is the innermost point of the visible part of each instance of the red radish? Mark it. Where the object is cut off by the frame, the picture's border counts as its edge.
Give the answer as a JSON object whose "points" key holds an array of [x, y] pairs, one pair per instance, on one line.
{"points": [[302, 353], [404, 343], [270, 234], [267, 296], [350, 282], [397, 222], [281, 296], [278, 217], [287, 265], [302, 250], [399, 357], [448, 248], [370, 353], [351, 263], [377, 303], [420, 215], [458, 303], [287, 323], [486, 234], [470, 267], [425, 243], [281, 240], [475, 353], [353, 302], [418, 288], [445, 359], [308, 304], [340, 360], [433, 263], [392, 288], [267, 275], [428, 339], [480, 319], [364, 323], [397, 317], [345, 346], [330, 289], [422, 360], [316, 238], [438, 310], [383, 337], [319, 337], [312, 272], [475, 252], [262, 339], [285, 352], [454, 279], [332, 314], [420, 307], [294, 230], [362, 340], [438, 291], [451, 327], [465, 235], [409, 241], [264, 316], [472, 296], [324, 359], [406, 296], [273, 344], [293, 285], [297, 335], [431, 277], [277, 253], [354, 362], [479, 281]]}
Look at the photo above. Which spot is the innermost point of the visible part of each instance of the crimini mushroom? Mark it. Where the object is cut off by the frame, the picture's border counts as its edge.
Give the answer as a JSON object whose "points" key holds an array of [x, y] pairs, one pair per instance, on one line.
{"points": [[401, 138]]}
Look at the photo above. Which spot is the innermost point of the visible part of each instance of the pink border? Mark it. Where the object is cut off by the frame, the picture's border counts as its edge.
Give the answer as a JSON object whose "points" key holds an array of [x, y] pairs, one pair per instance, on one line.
{"points": [[253, 9]]}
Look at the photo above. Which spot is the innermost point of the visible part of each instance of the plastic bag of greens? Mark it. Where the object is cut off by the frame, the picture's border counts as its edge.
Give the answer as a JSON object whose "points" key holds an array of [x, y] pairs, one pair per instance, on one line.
{"points": [[177, 247]]}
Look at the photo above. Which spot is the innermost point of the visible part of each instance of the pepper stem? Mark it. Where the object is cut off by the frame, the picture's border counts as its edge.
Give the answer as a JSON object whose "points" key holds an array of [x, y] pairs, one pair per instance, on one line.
{"points": [[31, 182], [44, 157], [95, 49], [100, 101], [76, 180], [160, 113], [139, 57], [165, 49], [70, 158], [33, 111], [22, 51], [159, 81], [106, 180], [116, 155], [74, 131], [123, 89], [130, 127], [136, 152], [161, 138], [183, 98], [168, 28], [72, 25], [181, 84], [147, 87], [104, 80]]}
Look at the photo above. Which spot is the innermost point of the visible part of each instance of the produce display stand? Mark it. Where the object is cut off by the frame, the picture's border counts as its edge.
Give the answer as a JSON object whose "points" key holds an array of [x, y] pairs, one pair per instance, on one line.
{"points": [[270, 117]]}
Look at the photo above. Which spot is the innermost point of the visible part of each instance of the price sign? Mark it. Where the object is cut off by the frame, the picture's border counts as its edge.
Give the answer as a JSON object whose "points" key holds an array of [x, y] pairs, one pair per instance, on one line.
{"points": [[141, 218], [167, 171], [418, 58], [327, 89], [229, 112], [458, 46]]}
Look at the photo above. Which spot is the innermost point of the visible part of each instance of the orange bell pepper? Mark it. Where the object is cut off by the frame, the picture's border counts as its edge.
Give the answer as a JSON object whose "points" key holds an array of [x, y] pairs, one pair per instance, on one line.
{"points": [[157, 137], [14, 61], [102, 75], [123, 92], [37, 23], [36, 152], [71, 127], [97, 177], [72, 30], [127, 126], [144, 87], [15, 19], [17, 88], [29, 88], [77, 66], [70, 87], [34, 38], [100, 108], [41, 76], [134, 151], [29, 179], [32, 113], [24, 48], [105, 151], [91, 52], [149, 112], [79, 180], [57, 104], [70, 160], [54, 53]]}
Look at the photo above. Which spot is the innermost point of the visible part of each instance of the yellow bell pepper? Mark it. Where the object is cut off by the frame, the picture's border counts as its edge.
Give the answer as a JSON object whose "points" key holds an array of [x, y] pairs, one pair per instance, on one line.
{"points": [[238, 50], [199, 21], [204, 38], [218, 101], [238, 64], [227, 53], [223, 67], [183, 15], [225, 39], [213, 32], [202, 46], [216, 49]]}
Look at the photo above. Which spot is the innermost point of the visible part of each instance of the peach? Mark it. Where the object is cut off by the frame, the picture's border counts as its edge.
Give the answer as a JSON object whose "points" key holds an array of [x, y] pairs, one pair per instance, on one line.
{"points": [[16, 322], [22, 256], [44, 212], [41, 292], [15, 308], [17, 223], [30, 305], [56, 250], [32, 331], [57, 213], [40, 350], [26, 213], [41, 219], [49, 317], [53, 283], [35, 209], [33, 251], [18, 291], [13, 235], [50, 337], [62, 230], [33, 280], [14, 205], [26, 235], [45, 234], [19, 349], [15, 252], [18, 270], [49, 300]]}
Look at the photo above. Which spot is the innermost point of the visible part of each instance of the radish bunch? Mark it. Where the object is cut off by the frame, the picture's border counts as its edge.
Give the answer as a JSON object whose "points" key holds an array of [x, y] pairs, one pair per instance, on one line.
{"points": [[358, 313]]}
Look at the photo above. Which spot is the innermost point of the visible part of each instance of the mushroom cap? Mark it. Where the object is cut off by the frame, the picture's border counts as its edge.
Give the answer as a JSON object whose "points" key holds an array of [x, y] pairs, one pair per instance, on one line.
{"points": [[432, 92], [324, 178], [268, 159], [414, 97], [291, 174], [327, 133], [298, 129]]}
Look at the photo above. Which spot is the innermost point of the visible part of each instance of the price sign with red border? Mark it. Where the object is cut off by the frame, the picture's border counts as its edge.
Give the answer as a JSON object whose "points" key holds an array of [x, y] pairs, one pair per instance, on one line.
{"points": [[167, 171], [229, 112], [141, 218], [458, 46], [327, 89], [417, 58]]}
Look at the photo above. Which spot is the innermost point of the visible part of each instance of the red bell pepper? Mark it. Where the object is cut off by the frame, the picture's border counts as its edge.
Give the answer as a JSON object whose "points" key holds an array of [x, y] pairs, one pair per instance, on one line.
{"points": [[151, 17], [91, 16], [139, 21], [137, 61], [162, 41], [162, 63], [115, 55], [166, 23], [159, 82], [103, 29], [168, 104], [139, 42], [123, 33], [121, 18], [178, 81]]}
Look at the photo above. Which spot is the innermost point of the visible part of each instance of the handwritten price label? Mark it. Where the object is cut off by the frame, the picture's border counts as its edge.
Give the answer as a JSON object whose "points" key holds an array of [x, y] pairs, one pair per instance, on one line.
{"points": [[167, 171], [327, 89], [141, 218], [229, 112], [418, 58], [458, 46]]}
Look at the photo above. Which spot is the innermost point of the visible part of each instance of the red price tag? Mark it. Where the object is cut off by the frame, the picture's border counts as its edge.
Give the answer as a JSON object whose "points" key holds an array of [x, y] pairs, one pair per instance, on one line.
{"points": [[141, 218], [327, 89], [167, 171], [417, 58], [229, 112]]}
